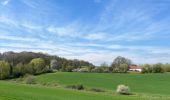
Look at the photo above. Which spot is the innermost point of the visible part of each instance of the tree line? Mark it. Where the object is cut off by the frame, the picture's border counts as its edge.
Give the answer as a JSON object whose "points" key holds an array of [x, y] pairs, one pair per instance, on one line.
{"points": [[156, 68], [13, 64]]}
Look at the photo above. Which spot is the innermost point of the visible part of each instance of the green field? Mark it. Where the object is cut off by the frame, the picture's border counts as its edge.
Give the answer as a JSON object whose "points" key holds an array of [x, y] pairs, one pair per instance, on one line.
{"points": [[140, 83], [13, 91], [143, 86]]}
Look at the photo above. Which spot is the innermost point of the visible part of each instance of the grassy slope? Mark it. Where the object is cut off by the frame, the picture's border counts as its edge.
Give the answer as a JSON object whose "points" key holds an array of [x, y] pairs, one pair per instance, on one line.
{"points": [[13, 91], [141, 83]]}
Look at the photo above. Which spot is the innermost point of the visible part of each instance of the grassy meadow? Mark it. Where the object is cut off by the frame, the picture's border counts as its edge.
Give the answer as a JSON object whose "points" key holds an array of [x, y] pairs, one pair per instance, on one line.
{"points": [[143, 87], [14, 91], [139, 83]]}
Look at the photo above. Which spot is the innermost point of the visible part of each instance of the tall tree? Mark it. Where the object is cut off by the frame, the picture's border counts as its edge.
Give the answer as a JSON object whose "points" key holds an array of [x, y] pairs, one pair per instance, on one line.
{"points": [[119, 63], [38, 65], [54, 64], [4, 70]]}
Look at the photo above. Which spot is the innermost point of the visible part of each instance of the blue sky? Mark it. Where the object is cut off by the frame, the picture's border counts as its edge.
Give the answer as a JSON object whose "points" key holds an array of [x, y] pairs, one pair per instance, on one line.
{"points": [[92, 30]]}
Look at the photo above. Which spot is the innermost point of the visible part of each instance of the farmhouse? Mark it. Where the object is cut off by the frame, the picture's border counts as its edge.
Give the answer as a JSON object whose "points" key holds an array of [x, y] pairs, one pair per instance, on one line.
{"points": [[135, 68]]}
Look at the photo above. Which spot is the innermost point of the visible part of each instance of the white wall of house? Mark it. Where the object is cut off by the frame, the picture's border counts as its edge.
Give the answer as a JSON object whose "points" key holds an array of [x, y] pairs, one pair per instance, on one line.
{"points": [[139, 70]]}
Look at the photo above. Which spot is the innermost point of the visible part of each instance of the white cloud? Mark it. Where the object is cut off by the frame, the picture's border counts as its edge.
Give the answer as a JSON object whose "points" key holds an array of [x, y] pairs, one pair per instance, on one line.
{"points": [[96, 36], [138, 54], [30, 3], [5, 2], [31, 26], [115, 25], [7, 20], [71, 30], [62, 31], [17, 38], [127, 23]]}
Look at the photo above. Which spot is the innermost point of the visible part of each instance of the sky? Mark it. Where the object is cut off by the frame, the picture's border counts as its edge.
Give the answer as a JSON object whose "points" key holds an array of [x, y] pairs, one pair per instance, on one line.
{"points": [[93, 30]]}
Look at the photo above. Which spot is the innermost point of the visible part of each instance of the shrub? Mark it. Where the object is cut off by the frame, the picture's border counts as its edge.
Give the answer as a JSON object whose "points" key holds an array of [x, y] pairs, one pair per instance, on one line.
{"points": [[69, 68], [52, 84], [19, 70], [29, 79], [96, 90], [19, 80], [37, 65], [157, 68], [76, 70], [76, 86], [166, 67], [123, 68], [83, 70], [123, 89], [98, 70], [80, 70], [54, 64], [147, 68], [4, 70]]}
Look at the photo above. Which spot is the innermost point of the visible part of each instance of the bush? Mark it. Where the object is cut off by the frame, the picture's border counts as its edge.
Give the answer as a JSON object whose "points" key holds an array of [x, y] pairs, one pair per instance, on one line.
{"points": [[123, 89], [4, 70], [54, 64], [76, 86], [29, 79], [98, 70], [166, 67], [96, 90], [37, 66], [147, 68], [157, 68], [68, 69], [123, 68], [52, 84], [81, 70], [19, 70]]}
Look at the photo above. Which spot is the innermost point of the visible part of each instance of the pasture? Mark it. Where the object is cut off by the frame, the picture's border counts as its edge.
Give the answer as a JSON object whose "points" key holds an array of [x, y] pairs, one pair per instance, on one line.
{"points": [[143, 87], [138, 83]]}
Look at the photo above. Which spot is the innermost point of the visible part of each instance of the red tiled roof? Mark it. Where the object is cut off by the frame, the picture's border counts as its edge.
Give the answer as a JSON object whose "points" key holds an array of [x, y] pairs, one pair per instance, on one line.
{"points": [[134, 67]]}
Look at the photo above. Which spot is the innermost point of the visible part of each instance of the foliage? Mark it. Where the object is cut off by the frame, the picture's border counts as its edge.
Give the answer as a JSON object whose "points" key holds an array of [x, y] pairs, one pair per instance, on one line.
{"points": [[98, 70], [54, 64], [104, 64], [81, 70], [120, 64], [19, 70], [76, 86], [29, 79], [26, 62], [123, 89], [37, 65], [155, 68], [146, 68], [97, 90], [123, 68], [166, 67], [84, 70], [4, 70], [121, 60], [68, 69], [103, 68]]}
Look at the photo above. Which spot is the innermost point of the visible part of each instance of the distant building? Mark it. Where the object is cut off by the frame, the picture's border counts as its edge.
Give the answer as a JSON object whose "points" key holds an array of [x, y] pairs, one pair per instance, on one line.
{"points": [[135, 68]]}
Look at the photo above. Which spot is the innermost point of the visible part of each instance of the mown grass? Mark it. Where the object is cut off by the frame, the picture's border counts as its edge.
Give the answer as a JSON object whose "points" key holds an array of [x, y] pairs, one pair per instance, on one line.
{"points": [[138, 83], [14, 91]]}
